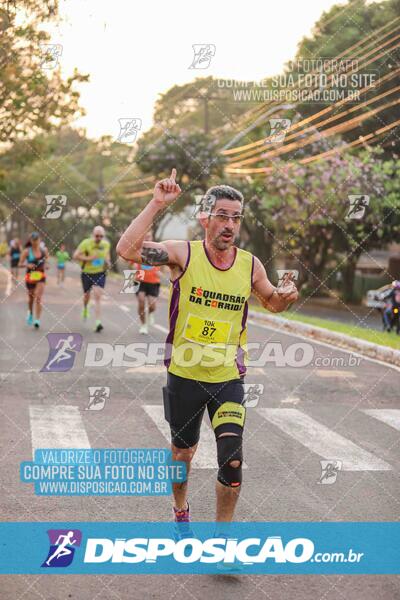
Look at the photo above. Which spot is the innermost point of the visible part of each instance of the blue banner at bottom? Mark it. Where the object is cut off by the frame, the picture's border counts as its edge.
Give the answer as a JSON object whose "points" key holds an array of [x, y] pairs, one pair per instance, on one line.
{"points": [[203, 548]]}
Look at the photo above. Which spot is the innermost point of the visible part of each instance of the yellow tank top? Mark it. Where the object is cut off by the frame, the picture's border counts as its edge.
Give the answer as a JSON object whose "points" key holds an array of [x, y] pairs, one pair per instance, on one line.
{"points": [[207, 317]]}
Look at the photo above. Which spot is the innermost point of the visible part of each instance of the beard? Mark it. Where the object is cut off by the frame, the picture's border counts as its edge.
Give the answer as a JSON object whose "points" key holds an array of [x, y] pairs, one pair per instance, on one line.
{"points": [[223, 244]]}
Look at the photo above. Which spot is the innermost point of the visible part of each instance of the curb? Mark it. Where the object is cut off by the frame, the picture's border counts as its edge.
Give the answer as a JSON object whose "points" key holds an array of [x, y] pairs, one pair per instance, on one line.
{"points": [[369, 349]]}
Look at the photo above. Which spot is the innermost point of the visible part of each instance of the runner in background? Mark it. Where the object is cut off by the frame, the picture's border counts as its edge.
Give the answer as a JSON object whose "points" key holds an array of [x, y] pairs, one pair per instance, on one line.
{"points": [[94, 255], [14, 254], [34, 258], [62, 257], [148, 292]]}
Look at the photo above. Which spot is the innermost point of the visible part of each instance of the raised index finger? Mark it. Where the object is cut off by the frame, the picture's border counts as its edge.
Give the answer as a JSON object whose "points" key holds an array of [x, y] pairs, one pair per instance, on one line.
{"points": [[173, 175]]}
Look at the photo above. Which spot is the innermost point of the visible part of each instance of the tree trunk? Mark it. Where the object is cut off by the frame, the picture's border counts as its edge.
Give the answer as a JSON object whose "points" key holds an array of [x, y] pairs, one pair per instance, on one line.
{"points": [[261, 243], [348, 272]]}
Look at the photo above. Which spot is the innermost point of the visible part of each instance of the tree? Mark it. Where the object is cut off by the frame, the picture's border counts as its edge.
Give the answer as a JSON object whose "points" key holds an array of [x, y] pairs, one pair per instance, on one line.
{"points": [[380, 224], [202, 105], [91, 174], [194, 154], [343, 27], [33, 98], [304, 208]]}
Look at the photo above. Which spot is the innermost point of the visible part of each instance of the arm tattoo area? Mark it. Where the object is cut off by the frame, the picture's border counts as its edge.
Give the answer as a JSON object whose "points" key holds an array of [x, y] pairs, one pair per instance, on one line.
{"points": [[154, 256]]}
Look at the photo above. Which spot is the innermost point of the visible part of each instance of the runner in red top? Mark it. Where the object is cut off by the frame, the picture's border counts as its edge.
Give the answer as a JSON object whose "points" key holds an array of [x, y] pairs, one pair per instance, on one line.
{"points": [[148, 292]]}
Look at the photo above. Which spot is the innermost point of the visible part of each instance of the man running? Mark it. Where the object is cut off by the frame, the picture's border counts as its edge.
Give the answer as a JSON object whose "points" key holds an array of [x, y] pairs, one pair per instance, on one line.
{"points": [[148, 291], [34, 258], [211, 283], [62, 256], [94, 255]]}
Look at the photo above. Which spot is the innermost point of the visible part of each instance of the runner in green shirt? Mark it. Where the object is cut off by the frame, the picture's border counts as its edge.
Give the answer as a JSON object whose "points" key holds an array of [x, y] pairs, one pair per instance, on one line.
{"points": [[94, 255], [62, 256]]}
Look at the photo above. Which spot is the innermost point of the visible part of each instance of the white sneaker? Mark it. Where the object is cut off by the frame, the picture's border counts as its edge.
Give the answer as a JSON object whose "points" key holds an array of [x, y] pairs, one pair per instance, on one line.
{"points": [[144, 329], [151, 319]]}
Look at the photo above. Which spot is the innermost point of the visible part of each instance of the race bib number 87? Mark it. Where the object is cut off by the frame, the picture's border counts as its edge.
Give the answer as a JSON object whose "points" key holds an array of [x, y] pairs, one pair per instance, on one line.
{"points": [[206, 331]]}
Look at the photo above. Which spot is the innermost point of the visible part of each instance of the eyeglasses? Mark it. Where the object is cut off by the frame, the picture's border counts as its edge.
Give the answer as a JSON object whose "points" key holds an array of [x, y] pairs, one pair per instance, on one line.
{"points": [[99, 236], [223, 218]]}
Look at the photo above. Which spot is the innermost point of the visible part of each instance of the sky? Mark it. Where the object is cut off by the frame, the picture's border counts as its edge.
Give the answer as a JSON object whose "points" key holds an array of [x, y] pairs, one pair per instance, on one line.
{"points": [[134, 50]]}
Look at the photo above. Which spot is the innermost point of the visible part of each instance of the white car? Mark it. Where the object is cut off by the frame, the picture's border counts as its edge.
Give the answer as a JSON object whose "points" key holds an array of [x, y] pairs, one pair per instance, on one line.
{"points": [[377, 298]]}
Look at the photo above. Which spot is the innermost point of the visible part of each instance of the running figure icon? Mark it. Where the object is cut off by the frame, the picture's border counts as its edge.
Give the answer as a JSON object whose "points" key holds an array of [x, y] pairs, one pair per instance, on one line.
{"points": [[63, 346], [62, 549]]}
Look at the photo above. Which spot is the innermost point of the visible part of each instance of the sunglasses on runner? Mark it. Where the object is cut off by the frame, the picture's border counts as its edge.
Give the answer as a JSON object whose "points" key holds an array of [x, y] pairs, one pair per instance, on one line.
{"points": [[224, 218]]}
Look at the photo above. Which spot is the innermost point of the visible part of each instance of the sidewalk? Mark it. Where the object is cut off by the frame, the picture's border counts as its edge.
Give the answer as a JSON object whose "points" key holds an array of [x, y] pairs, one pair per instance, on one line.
{"points": [[334, 310]]}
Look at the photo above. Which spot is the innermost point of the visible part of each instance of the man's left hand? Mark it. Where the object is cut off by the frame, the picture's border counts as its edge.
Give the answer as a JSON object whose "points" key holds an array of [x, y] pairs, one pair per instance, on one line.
{"points": [[287, 290]]}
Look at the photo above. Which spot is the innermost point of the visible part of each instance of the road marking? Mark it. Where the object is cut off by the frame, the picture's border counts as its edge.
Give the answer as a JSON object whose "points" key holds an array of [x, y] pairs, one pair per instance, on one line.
{"points": [[321, 440], [9, 285], [57, 427], [389, 416], [161, 328], [206, 453], [205, 457], [147, 370], [8, 275], [125, 308], [290, 400], [18, 372], [335, 373], [255, 371]]}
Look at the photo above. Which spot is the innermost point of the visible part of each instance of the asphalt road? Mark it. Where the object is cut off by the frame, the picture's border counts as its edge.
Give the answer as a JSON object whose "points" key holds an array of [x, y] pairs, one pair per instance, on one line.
{"points": [[304, 414]]}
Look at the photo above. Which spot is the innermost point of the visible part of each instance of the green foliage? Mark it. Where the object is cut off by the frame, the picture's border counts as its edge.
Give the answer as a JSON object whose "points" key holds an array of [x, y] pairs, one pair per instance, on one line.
{"points": [[96, 177], [303, 209], [194, 154], [341, 28], [204, 104], [32, 99]]}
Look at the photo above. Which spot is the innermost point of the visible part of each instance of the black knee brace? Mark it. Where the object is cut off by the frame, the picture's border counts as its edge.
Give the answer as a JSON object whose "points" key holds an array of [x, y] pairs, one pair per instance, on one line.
{"points": [[229, 448]]}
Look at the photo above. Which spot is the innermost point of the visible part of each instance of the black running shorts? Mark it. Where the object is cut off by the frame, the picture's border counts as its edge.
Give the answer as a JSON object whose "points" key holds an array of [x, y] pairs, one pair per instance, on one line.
{"points": [[149, 289], [185, 401], [91, 279]]}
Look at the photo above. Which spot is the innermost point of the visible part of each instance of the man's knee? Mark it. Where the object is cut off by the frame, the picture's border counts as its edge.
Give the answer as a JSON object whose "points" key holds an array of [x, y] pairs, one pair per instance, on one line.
{"points": [[183, 454], [230, 459]]}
